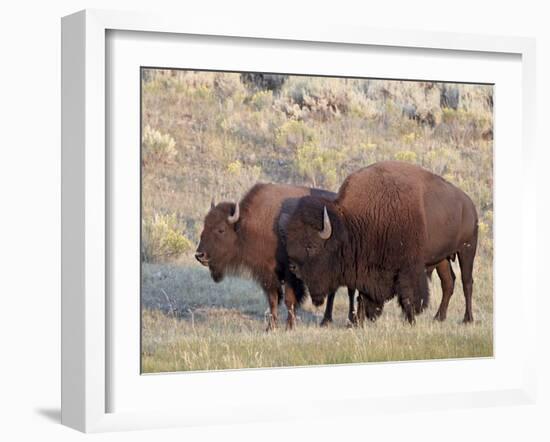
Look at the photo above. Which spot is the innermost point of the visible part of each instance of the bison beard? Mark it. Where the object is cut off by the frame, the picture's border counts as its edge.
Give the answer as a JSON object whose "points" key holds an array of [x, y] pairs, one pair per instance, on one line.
{"points": [[378, 237]]}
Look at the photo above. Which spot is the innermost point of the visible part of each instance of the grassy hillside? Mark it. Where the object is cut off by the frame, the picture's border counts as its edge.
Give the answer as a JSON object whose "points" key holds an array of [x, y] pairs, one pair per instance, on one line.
{"points": [[210, 135]]}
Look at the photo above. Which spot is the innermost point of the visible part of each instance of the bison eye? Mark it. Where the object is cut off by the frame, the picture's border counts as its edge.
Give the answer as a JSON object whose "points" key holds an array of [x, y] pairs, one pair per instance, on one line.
{"points": [[220, 231]]}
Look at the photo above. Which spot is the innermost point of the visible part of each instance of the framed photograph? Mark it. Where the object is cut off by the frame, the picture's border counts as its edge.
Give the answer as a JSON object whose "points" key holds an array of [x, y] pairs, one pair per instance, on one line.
{"points": [[252, 215]]}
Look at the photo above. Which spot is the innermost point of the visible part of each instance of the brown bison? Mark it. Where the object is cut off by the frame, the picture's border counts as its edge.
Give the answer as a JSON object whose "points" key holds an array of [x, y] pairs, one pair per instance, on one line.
{"points": [[388, 223], [244, 238]]}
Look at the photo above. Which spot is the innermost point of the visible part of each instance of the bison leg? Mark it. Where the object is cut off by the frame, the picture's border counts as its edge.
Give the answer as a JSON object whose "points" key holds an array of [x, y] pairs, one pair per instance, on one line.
{"points": [[412, 292], [327, 317], [466, 257], [407, 306], [294, 295], [447, 277], [352, 315], [361, 309], [368, 308], [273, 299], [290, 302], [373, 309]]}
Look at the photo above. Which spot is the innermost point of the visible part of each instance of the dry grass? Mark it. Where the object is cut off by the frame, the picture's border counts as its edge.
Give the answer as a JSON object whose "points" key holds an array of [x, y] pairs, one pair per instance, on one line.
{"points": [[190, 323]]}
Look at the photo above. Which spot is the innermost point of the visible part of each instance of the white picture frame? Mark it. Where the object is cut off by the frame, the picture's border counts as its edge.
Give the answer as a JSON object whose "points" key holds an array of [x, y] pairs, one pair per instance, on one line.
{"points": [[86, 204]]}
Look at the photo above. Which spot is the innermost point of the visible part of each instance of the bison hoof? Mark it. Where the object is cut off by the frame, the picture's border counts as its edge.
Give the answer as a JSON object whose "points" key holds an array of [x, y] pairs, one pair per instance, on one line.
{"points": [[326, 322], [468, 319], [439, 317], [352, 322]]}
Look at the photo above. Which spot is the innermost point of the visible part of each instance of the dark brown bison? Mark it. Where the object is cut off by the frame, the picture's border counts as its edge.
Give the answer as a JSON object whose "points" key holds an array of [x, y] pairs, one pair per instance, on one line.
{"points": [[244, 238], [288, 207], [388, 223]]}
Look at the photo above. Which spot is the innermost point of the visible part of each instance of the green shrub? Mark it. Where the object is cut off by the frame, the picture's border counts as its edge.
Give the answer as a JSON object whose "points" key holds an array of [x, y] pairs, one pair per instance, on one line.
{"points": [[261, 100], [235, 168], [157, 147], [234, 180], [406, 155], [464, 127], [293, 134], [162, 239], [228, 86], [319, 166], [441, 161], [324, 98]]}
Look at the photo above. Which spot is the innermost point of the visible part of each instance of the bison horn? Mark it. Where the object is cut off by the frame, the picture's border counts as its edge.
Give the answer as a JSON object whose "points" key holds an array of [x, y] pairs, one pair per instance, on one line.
{"points": [[232, 219], [327, 228], [212, 203]]}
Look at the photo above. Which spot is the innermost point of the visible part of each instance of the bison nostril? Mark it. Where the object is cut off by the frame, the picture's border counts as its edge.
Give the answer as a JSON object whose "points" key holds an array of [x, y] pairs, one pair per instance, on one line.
{"points": [[199, 256]]}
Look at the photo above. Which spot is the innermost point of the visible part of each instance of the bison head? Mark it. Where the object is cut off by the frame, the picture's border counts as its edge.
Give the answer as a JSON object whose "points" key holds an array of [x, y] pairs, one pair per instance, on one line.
{"points": [[218, 246], [314, 236]]}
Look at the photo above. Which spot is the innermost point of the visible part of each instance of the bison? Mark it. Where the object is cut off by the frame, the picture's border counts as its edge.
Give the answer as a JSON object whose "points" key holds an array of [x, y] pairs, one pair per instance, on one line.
{"points": [[389, 222], [244, 238]]}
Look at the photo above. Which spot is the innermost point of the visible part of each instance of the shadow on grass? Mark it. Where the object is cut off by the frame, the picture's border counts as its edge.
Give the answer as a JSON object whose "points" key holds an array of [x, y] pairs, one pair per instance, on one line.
{"points": [[188, 292]]}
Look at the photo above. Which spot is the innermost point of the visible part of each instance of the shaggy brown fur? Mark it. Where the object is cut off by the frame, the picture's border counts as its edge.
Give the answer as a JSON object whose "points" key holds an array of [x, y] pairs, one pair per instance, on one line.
{"points": [[371, 310], [253, 247], [379, 242]]}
